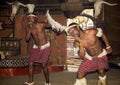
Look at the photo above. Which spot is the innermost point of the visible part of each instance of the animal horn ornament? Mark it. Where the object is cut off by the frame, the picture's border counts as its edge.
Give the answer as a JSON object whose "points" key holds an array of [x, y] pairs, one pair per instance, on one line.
{"points": [[98, 6], [83, 20], [55, 25], [15, 7], [31, 8]]}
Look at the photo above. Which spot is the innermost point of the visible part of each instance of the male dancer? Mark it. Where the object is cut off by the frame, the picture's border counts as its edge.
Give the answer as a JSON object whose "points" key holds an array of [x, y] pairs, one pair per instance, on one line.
{"points": [[41, 48]]}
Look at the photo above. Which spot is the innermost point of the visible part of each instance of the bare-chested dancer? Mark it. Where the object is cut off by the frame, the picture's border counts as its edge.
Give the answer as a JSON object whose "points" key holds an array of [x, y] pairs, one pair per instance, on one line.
{"points": [[91, 51], [41, 48]]}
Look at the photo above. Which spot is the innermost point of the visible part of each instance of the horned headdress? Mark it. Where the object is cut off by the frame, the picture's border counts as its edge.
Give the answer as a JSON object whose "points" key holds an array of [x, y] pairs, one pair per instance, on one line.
{"points": [[82, 21], [55, 25], [16, 5]]}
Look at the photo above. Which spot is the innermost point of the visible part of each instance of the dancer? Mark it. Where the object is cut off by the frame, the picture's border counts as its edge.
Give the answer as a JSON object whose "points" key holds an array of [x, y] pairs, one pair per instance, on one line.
{"points": [[90, 49], [41, 49]]}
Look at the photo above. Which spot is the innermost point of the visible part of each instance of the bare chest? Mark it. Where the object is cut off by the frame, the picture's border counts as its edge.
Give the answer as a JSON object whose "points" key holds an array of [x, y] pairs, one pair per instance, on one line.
{"points": [[88, 41]]}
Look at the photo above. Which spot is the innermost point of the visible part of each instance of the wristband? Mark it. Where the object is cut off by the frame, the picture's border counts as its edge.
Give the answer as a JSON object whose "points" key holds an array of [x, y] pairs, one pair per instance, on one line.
{"points": [[80, 44], [108, 47]]}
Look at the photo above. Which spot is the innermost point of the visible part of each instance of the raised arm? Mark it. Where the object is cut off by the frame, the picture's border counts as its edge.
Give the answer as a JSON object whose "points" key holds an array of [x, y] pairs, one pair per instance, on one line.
{"points": [[81, 51]]}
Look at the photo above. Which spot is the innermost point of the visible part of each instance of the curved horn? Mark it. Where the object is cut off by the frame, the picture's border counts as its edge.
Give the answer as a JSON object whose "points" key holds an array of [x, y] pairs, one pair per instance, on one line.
{"points": [[31, 8], [9, 3], [110, 4], [55, 25], [98, 7], [21, 4]]}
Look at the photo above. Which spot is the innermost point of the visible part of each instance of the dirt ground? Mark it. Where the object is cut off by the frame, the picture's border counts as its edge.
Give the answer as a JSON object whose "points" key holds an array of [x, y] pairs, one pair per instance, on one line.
{"points": [[62, 78]]}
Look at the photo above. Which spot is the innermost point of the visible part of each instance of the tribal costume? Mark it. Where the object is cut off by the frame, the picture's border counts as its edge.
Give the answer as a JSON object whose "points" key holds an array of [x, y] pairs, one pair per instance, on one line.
{"points": [[40, 55], [90, 63], [93, 65]]}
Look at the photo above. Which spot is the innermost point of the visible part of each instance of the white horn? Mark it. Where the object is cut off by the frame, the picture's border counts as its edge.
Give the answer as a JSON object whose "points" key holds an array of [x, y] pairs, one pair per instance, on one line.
{"points": [[55, 25], [21, 4], [31, 8], [9, 3], [15, 7], [110, 4], [98, 7]]}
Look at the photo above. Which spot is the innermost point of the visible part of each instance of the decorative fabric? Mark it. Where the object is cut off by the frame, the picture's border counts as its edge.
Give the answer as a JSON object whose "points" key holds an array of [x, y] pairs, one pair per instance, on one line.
{"points": [[14, 61], [82, 81], [83, 21], [87, 56], [93, 65], [26, 83], [99, 33], [40, 55], [47, 83]]}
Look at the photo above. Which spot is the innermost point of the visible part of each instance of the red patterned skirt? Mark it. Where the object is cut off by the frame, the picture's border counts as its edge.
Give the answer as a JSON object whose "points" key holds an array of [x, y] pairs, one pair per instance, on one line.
{"points": [[93, 65], [39, 55]]}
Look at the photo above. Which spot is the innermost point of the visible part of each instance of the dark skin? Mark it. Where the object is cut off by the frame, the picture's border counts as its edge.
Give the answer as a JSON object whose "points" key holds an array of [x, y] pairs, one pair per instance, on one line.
{"points": [[91, 43], [36, 31]]}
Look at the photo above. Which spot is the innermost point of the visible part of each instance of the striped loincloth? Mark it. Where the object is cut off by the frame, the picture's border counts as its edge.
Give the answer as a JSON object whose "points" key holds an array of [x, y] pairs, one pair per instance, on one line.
{"points": [[93, 65], [40, 55]]}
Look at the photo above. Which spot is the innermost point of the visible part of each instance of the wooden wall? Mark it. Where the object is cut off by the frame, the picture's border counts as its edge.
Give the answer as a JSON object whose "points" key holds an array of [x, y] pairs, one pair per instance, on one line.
{"points": [[6, 30], [112, 16]]}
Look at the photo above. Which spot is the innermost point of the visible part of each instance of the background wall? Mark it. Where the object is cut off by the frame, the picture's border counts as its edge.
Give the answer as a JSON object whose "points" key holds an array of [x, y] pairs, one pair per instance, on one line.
{"points": [[112, 16]]}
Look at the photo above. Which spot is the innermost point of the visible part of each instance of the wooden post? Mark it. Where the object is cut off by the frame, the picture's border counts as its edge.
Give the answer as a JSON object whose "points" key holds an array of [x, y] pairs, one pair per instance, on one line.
{"points": [[19, 31]]}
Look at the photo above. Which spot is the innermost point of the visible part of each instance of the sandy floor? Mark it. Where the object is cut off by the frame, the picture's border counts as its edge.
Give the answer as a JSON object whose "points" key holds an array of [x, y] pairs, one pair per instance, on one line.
{"points": [[62, 78]]}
